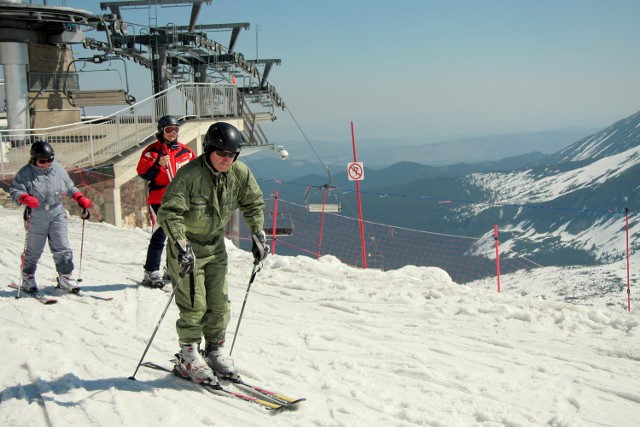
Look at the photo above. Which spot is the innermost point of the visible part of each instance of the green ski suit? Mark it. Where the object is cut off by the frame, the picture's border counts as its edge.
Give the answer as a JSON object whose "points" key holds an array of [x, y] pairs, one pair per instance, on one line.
{"points": [[196, 206]]}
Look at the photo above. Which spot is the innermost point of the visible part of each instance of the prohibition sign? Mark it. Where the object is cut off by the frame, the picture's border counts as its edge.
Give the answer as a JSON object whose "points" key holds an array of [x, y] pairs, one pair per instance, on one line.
{"points": [[355, 170]]}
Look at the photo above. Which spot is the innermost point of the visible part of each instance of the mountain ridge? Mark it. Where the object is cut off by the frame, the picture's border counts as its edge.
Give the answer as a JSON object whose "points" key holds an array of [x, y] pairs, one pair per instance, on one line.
{"points": [[564, 208], [380, 153]]}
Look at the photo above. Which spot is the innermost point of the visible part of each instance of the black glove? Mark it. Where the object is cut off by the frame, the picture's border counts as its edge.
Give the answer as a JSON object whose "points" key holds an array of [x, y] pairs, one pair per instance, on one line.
{"points": [[260, 247], [186, 258]]}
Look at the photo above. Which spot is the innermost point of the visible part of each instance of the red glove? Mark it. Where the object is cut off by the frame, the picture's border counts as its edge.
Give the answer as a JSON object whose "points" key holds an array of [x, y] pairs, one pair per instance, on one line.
{"points": [[28, 200], [83, 202]]}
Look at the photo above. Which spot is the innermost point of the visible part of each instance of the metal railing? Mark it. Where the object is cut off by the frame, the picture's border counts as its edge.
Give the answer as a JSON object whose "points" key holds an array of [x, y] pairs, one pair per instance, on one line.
{"points": [[94, 142]]}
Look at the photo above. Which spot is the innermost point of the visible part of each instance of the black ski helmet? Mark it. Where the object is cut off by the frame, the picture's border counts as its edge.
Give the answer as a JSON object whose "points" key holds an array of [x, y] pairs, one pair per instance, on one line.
{"points": [[222, 136], [165, 121], [41, 150]]}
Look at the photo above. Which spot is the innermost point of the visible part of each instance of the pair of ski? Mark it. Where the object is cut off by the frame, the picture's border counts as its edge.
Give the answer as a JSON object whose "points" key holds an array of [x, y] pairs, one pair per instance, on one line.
{"points": [[270, 400], [47, 300]]}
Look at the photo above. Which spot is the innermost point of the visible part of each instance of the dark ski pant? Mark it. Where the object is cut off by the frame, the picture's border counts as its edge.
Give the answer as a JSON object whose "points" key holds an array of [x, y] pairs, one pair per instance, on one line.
{"points": [[156, 244], [48, 225], [210, 313]]}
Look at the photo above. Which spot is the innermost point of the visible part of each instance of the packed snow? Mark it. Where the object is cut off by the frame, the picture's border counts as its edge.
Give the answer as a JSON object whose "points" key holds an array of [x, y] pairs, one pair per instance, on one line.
{"points": [[365, 348], [525, 185]]}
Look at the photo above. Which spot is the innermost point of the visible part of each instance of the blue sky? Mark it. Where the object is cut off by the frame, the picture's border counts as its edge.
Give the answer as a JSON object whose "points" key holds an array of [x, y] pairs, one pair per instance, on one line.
{"points": [[433, 70], [425, 68]]}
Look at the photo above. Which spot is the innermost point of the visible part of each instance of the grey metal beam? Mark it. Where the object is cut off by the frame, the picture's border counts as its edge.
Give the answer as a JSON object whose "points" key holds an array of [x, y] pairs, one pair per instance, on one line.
{"points": [[265, 61], [195, 11], [234, 37], [265, 74], [242, 25], [137, 3]]}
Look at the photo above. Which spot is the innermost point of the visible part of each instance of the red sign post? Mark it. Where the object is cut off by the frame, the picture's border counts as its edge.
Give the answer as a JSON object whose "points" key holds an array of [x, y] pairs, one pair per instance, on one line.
{"points": [[356, 171]]}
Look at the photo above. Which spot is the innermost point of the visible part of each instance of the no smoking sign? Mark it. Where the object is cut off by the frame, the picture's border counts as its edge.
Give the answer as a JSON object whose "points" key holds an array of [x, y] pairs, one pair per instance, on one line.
{"points": [[355, 170]]}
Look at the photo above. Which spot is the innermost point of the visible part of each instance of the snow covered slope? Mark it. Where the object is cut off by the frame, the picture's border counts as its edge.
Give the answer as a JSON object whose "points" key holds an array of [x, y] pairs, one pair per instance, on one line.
{"points": [[402, 348]]}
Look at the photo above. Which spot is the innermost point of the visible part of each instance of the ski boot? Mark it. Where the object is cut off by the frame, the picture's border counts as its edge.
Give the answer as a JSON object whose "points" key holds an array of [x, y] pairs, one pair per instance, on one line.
{"points": [[191, 365], [153, 279], [220, 362], [29, 283], [67, 283]]}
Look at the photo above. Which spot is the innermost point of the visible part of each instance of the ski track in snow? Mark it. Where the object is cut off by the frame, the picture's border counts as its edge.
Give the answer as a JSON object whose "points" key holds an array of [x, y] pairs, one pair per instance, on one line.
{"points": [[399, 348]]}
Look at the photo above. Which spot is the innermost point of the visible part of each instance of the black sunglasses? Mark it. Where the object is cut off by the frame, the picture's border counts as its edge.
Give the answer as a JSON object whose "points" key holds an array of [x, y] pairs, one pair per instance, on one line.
{"points": [[223, 153], [44, 161]]}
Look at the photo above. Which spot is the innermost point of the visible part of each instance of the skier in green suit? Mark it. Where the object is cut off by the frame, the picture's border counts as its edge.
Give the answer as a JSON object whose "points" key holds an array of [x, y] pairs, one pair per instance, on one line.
{"points": [[196, 206]]}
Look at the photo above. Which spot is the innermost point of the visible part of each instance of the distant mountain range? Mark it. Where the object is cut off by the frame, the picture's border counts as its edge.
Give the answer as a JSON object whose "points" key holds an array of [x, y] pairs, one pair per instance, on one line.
{"points": [[561, 208], [379, 153]]}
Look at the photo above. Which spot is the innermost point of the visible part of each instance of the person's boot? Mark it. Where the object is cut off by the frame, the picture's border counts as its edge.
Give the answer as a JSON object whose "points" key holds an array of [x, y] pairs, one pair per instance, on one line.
{"points": [[219, 361], [68, 283], [190, 364], [29, 283], [153, 279]]}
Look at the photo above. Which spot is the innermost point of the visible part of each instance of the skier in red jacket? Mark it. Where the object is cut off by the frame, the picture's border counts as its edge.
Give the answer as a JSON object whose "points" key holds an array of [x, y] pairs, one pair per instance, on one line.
{"points": [[158, 164]]}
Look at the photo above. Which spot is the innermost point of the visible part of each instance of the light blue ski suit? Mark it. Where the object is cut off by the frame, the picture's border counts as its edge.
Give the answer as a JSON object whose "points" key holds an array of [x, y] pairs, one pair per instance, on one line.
{"points": [[49, 220]]}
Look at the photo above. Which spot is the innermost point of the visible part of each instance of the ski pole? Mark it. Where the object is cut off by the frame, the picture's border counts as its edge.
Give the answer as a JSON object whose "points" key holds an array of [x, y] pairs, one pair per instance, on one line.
{"points": [[85, 216], [257, 266], [27, 218], [144, 353]]}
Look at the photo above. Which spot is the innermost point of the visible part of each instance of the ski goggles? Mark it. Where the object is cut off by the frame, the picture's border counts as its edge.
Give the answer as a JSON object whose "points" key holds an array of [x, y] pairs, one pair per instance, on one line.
{"points": [[171, 129], [223, 153], [44, 161]]}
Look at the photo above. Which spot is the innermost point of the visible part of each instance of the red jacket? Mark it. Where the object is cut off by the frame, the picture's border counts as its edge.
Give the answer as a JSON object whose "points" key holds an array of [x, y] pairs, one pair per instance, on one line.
{"points": [[159, 177]]}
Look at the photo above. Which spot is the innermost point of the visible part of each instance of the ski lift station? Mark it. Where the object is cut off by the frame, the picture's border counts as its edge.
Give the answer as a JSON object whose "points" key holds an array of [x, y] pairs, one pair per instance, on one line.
{"points": [[74, 91]]}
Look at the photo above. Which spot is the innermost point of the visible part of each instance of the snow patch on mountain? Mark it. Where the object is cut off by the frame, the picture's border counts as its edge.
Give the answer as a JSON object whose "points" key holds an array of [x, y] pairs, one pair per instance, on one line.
{"points": [[529, 187]]}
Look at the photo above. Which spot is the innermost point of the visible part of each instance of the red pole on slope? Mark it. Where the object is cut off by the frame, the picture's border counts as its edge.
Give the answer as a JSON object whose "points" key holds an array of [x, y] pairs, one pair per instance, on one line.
{"points": [[362, 240], [626, 210], [324, 201], [275, 222], [495, 235]]}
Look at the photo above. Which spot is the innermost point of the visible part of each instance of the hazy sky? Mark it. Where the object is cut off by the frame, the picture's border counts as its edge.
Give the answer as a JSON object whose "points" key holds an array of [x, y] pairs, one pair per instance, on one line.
{"points": [[413, 68], [432, 70]]}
